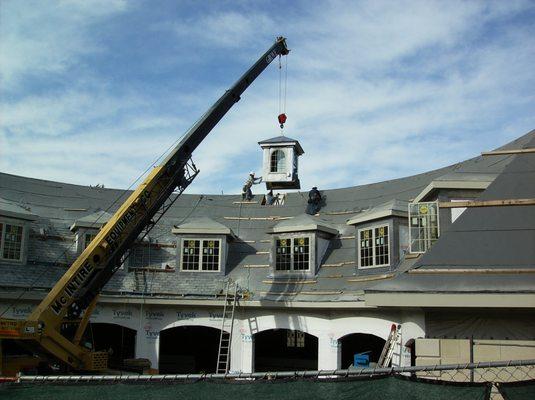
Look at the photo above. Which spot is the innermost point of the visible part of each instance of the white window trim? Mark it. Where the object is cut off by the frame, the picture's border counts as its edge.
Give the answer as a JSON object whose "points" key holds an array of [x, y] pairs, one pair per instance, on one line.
{"points": [[372, 228], [410, 228], [200, 255], [311, 246], [22, 242]]}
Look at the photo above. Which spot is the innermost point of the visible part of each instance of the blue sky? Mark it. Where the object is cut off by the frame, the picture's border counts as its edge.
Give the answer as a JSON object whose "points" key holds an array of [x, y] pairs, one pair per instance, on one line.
{"points": [[94, 91]]}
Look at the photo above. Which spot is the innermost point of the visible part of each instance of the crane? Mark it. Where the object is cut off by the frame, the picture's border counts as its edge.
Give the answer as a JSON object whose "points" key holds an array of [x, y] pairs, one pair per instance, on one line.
{"points": [[57, 324]]}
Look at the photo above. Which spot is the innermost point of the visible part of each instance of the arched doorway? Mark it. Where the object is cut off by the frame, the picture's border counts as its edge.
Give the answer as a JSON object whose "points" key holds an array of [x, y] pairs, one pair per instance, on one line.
{"points": [[359, 343], [188, 350], [117, 340], [285, 350]]}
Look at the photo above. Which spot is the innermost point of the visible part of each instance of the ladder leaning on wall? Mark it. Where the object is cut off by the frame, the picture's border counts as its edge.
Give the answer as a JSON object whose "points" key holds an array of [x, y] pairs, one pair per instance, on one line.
{"points": [[227, 327], [388, 350]]}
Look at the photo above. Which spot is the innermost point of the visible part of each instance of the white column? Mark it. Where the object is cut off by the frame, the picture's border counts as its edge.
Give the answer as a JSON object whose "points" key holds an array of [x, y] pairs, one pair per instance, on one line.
{"points": [[247, 352], [147, 345], [328, 352]]}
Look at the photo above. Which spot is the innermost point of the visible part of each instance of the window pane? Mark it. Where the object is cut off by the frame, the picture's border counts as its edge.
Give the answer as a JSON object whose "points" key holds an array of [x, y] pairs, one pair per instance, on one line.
{"points": [[88, 238], [283, 254], [210, 255], [381, 247], [366, 248], [12, 242], [424, 222], [301, 254], [278, 161], [190, 255]]}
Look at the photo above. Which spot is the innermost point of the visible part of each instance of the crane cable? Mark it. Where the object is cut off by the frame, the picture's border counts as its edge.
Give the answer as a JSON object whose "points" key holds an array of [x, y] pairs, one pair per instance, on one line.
{"points": [[282, 93]]}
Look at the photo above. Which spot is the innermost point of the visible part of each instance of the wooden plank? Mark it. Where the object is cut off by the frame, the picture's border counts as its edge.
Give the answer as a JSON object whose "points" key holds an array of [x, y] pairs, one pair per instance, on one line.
{"points": [[371, 278], [340, 264], [347, 237], [289, 281], [255, 266], [245, 202], [339, 212], [473, 271], [486, 203], [257, 218], [504, 152]]}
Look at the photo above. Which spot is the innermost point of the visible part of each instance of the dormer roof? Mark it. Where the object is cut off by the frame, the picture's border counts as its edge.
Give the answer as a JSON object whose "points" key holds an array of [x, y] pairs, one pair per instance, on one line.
{"points": [[13, 210], [303, 222], [393, 207], [202, 225], [91, 221]]}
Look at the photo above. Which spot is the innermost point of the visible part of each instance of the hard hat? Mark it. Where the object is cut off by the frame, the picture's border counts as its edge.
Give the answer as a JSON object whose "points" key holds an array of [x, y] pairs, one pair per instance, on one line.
{"points": [[315, 187], [251, 173]]}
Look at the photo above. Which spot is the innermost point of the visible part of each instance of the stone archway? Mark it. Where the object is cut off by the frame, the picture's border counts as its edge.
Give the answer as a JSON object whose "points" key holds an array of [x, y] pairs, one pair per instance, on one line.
{"points": [[354, 343], [188, 349], [285, 350]]}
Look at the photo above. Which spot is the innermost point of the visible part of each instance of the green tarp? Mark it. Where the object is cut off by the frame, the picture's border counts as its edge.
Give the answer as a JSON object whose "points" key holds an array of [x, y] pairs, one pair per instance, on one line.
{"points": [[524, 390], [387, 388]]}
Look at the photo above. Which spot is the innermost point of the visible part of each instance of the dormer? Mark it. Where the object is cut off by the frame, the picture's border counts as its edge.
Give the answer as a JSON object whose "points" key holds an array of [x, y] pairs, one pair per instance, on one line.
{"points": [[280, 162], [202, 245], [381, 234], [299, 244], [14, 231], [86, 228]]}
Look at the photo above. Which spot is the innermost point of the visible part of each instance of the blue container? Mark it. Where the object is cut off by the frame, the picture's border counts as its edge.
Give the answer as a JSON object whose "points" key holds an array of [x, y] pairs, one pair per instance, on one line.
{"points": [[362, 359]]}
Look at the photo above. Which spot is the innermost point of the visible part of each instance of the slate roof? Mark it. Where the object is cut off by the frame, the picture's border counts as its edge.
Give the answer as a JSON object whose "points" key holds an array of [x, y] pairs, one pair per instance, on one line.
{"points": [[94, 220], [58, 205], [11, 209], [500, 238]]}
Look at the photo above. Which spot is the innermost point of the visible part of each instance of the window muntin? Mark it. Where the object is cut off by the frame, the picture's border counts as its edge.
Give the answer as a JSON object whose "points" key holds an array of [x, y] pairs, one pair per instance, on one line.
{"points": [[423, 226], [201, 255], [11, 241], [374, 247], [278, 161], [292, 254], [88, 237]]}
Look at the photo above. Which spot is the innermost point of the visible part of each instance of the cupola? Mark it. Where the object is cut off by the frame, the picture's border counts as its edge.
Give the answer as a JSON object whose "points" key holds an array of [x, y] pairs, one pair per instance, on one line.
{"points": [[280, 162]]}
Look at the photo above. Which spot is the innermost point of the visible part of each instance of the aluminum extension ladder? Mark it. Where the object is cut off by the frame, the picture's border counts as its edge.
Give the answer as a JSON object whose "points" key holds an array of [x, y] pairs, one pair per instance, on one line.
{"points": [[388, 349], [225, 338]]}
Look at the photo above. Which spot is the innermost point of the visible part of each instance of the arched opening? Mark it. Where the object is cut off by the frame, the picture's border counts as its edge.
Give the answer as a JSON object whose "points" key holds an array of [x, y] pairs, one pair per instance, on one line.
{"points": [[188, 350], [278, 161], [117, 340], [360, 343], [285, 350]]}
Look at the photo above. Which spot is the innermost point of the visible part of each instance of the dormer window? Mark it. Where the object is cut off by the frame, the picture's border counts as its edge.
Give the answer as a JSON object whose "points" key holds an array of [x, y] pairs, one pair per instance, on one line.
{"points": [[278, 161], [201, 254], [11, 241], [88, 237], [202, 245], [292, 254], [423, 226], [14, 231], [374, 247], [299, 245]]}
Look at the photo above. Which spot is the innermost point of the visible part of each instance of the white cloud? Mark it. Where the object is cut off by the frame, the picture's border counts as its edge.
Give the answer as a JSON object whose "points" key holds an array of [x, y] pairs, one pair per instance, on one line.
{"points": [[48, 37]]}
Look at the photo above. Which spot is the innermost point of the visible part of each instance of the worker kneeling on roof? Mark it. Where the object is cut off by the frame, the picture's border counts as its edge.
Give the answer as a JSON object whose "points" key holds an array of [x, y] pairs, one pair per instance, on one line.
{"points": [[247, 194]]}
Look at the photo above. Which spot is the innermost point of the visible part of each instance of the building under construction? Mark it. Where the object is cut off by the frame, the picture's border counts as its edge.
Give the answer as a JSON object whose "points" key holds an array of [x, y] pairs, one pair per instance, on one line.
{"points": [[440, 266]]}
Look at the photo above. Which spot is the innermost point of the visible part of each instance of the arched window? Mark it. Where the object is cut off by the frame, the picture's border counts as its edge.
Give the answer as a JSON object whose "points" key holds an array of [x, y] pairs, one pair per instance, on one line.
{"points": [[278, 161]]}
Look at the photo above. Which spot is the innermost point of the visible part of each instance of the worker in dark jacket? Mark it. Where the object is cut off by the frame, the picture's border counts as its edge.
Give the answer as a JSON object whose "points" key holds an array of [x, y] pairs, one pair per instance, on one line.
{"points": [[314, 201]]}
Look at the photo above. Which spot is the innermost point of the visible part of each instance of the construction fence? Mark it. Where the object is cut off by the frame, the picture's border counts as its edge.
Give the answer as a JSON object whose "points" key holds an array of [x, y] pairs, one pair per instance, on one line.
{"points": [[509, 380]]}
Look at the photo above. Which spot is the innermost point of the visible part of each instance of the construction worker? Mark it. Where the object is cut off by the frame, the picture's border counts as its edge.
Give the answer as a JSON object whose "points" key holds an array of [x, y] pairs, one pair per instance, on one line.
{"points": [[314, 201], [270, 199], [247, 194]]}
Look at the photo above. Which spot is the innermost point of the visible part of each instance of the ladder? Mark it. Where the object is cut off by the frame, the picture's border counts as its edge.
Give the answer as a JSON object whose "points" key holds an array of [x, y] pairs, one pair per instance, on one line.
{"points": [[388, 349], [225, 338]]}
